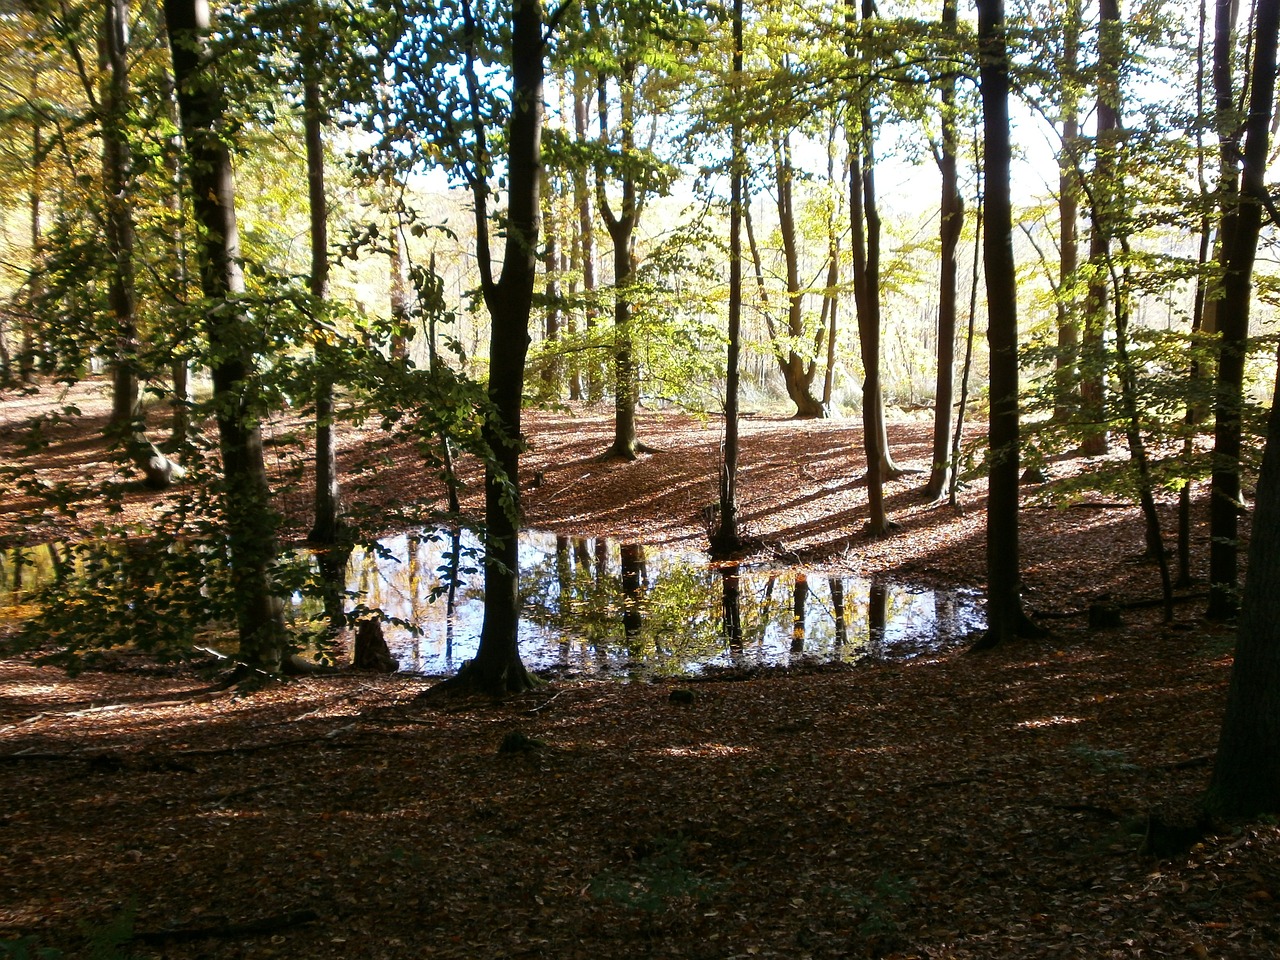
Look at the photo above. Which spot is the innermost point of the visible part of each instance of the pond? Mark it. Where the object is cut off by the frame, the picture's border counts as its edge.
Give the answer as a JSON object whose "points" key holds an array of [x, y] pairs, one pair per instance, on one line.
{"points": [[596, 606], [599, 607]]}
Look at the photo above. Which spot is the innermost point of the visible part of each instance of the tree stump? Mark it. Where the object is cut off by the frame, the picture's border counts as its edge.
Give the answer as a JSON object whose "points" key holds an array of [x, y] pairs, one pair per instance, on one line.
{"points": [[372, 652]]}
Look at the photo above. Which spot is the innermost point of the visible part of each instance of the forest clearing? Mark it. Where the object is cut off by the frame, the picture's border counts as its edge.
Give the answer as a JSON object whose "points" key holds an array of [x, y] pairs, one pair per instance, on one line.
{"points": [[1039, 800]]}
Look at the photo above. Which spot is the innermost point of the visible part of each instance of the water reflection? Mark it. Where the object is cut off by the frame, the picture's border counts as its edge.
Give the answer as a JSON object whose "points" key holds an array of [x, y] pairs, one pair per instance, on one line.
{"points": [[593, 606]]}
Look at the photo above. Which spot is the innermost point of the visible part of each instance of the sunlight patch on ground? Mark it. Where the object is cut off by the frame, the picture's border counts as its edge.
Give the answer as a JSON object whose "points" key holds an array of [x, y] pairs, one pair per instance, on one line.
{"points": [[1055, 721], [706, 750]]}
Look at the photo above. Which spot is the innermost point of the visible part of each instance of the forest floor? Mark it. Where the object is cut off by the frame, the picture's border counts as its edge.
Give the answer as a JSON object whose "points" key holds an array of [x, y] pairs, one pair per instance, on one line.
{"points": [[1026, 802]]}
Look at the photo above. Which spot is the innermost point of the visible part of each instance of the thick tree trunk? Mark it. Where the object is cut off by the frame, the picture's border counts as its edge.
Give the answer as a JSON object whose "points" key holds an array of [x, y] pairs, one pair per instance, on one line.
{"points": [[1246, 773], [250, 522], [1005, 616], [1241, 218], [497, 667]]}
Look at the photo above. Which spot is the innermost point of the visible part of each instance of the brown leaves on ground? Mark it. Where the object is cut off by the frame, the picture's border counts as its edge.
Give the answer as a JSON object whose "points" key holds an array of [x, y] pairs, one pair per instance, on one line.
{"points": [[988, 806], [965, 807]]}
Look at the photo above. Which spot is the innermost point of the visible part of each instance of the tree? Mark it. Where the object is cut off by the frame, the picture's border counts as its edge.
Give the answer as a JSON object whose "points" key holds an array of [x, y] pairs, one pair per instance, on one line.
{"points": [[1005, 616], [1239, 226], [951, 217], [249, 520], [508, 298], [1246, 772], [725, 539]]}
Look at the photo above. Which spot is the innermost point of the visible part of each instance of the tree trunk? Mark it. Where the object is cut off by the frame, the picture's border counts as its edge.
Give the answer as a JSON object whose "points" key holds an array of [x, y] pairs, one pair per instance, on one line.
{"points": [[725, 538], [586, 234], [1066, 374], [1241, 219], [1246, 773], [117, 178], [1093, 400], [622, 226], [1005, 616], [497, 667], [951, 216], [251, 524], [326, 529], [797, 371]]}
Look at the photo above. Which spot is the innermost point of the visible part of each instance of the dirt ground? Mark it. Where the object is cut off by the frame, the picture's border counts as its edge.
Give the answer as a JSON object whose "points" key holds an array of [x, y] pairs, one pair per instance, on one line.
{"points": [[1034, 801]]}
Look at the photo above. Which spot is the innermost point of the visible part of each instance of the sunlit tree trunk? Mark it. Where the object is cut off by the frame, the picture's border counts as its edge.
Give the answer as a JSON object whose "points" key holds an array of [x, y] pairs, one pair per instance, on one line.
{"points": [[1094, 365], [251, 523], [1066, 376], [797, 371], [117, 177], [586, 237]]}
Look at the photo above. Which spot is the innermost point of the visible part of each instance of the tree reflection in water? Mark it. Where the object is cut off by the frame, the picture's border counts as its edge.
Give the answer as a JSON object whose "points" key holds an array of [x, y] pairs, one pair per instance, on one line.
{"points": [[593, 606]]}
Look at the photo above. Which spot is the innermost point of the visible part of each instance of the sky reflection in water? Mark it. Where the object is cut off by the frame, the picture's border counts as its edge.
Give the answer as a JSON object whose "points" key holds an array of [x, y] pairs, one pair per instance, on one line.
{"points": [[593, 606]]}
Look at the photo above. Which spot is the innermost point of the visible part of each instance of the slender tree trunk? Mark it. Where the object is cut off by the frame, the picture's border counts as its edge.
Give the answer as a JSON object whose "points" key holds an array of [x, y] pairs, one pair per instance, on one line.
{"points": [[1005, 616], [1067, 374], [1096, 439], [326, 530], [27, 349], [586, 234], [251, 524], [622, 226], [551, 289], [797, 371], [951, 216], [726, 539], [117, 177], [401, 293]]}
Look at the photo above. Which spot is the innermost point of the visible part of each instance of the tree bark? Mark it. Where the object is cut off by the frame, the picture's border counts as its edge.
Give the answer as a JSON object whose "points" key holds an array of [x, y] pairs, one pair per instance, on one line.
{"points": [[1246, 773], [250, 522], [497, 667], [1093, 392], [951, 216], [726, 539], [1241, 219], [1005, 616], [326, 528], [1066, 374]]}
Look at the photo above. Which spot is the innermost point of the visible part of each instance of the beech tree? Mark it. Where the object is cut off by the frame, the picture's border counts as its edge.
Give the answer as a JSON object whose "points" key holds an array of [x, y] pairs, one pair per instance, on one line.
{"points": [[1005, 616], [445, 62], [250, 521], [1246, 772]]}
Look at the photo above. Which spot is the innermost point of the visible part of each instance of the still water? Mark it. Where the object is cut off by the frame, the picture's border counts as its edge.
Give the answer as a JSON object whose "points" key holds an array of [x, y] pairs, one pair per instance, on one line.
{"points": [[598, 607], [595, 606]]}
